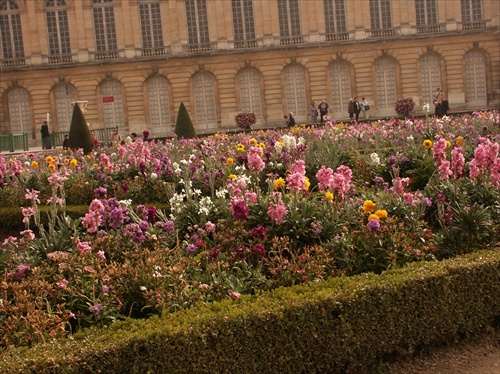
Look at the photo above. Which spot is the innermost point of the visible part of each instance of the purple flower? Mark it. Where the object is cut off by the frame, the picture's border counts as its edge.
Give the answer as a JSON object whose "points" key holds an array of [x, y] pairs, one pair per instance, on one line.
{"points": [[373, 225], [191, 248], [96, 309], [239, 209], [259, 232]]}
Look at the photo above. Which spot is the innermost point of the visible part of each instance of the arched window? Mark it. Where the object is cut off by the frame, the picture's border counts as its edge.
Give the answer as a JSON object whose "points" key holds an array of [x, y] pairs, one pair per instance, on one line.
{"points": [[249, 86], [295, 91], [385, 77], [64, 94], [430, 76], [159, 106], [20, 112], [58, 31], [112, 101], [11, 34], [204, 102], [104, 29], [341, 87], [475, 80]]}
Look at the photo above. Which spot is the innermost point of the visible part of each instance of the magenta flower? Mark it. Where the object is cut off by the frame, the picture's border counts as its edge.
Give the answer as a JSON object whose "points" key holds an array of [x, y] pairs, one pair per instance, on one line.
{"points": [[277, 211], [239, 209], [96, 309], [373, 225]]}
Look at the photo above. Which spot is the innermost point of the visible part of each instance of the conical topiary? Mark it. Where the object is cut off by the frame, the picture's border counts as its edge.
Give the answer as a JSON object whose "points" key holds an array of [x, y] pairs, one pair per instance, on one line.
{"points": [[184, 126], [79, 132]]}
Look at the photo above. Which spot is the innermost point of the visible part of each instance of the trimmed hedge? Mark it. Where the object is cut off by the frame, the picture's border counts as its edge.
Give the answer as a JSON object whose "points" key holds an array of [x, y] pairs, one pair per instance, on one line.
{"points": [[342, 325]]}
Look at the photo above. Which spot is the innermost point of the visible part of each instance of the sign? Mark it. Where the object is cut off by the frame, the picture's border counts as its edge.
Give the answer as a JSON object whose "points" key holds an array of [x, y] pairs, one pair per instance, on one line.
{"points": [[108, 99]]}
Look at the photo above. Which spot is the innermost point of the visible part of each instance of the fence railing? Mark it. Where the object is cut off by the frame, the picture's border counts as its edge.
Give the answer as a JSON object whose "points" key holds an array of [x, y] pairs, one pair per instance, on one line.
{"points": [[14, 142], [103, 136]]}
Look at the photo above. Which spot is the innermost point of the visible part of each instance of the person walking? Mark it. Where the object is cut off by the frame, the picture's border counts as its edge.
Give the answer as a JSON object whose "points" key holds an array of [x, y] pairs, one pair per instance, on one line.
{"points": [[45, 136], [314, 113], [323, 111]]}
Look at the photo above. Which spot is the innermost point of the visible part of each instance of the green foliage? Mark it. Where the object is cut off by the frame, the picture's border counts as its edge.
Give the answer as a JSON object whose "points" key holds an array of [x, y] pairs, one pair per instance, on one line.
{"points": [[184, 126], [79, 132], [360, 319]]}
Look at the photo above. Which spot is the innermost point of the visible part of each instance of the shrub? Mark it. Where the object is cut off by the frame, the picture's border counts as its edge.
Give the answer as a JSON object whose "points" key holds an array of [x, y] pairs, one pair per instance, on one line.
{"points": [[404, 106], [184, 126], [79, 132]]}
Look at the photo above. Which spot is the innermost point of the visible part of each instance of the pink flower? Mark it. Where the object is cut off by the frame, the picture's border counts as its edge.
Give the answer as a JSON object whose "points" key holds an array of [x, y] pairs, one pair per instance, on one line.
{"points": [[457, 162], [210, 227], [254, 158], [234, 294], [83, 247], [325, 178], [277, 211], [62, 284], [239, 209]]}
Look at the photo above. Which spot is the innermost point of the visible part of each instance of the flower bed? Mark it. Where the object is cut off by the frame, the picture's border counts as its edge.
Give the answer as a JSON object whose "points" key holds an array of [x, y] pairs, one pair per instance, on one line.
{"points": [[244, 213]]}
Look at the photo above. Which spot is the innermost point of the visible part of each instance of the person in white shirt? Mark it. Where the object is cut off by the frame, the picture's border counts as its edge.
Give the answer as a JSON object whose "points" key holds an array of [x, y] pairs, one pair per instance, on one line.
{"points": [[130, 139], [365, 107]]}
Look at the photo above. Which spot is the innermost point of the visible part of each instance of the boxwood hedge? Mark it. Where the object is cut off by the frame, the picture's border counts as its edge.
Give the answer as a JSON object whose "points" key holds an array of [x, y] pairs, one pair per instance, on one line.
{"points": [[343, 325]]}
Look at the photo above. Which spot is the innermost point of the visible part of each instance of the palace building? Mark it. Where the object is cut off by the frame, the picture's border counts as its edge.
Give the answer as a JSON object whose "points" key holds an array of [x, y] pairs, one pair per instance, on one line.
{"points": [[131, 63]]}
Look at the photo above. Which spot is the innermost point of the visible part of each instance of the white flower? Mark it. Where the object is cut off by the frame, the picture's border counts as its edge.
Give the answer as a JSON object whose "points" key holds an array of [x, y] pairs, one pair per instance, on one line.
{"points": [[175, 165], [127, 203], [154, 175], [142, 288], [278, 147], [375, 159]]}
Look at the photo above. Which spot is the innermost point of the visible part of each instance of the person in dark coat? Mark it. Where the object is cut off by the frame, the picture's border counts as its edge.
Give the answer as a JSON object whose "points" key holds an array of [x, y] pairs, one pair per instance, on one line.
{"points": [[290, 121], [323, 110], [45, 136]]}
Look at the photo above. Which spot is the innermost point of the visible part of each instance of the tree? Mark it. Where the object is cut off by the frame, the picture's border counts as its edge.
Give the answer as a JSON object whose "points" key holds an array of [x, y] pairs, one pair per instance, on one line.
{"points": [[79, 132], [184, 126]]}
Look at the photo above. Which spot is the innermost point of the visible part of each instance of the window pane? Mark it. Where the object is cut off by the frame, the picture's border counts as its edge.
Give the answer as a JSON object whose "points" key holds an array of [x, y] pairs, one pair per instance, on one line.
{"points": [[341, 87]]}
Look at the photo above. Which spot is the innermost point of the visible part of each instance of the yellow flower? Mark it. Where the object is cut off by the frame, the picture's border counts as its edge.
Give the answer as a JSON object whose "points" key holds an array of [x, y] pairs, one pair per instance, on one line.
{"points": [[373, 216], [307, 184], [329, 195], [232, 176], [448, 144], [34, 164], [240, 147], [253, 141], [229, 161], [49, 159], [427, 143], [368, 206], [279, 183], [52, 167], [73, 162], [262, 145], [459, 141], [381, 213], [281, 143]]}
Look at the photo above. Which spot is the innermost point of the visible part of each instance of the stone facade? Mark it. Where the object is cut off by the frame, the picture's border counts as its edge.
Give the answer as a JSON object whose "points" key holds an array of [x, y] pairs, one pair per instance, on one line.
{"points": [[137, 88]]}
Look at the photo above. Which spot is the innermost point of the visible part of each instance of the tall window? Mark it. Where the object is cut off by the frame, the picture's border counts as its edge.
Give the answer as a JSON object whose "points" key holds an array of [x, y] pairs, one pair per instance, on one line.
{"points": [[341, 86], [104, 29], [112, 101], [288, 15], [159, 106], [20, 112], [197, 22], [58, 31], [336, 28], [64, 95], [243, 21], [430, 76], [381, 19], [249, 85], [475, 80], [472, 14], [151, 30], [204, 98], [426, 12], [385, 82], [295, 91], [11, 34]]}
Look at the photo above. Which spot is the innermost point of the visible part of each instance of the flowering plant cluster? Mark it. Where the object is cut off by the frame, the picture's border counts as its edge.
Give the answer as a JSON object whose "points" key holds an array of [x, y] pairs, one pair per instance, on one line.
{"points": [[186, 221], [245, 120], [404, 106]]}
